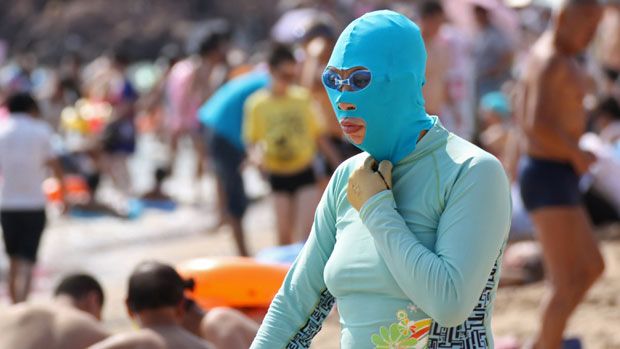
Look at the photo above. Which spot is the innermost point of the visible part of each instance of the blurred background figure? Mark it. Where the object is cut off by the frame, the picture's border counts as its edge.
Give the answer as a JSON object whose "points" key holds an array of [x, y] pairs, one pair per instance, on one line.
{"points": [[493, 53], [222, 117], [603, 193], [283, 136], [167, 319], [553, 120], [18, 77], [70, 321], [156, 302], [26, 153], [154, 103], [225, 328], [440, 67], [317, 43], [119, 136], [190, 82], [609, 49], [496, 131]]}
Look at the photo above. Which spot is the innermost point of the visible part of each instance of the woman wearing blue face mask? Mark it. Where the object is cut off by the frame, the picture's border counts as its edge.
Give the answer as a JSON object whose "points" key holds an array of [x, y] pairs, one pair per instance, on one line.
{"points": [[411, 252]]}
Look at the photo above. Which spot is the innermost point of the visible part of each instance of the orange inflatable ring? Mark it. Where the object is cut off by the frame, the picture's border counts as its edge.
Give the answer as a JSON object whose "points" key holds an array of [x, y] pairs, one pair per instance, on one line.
{"points": [[75, 187], [238, 282]]}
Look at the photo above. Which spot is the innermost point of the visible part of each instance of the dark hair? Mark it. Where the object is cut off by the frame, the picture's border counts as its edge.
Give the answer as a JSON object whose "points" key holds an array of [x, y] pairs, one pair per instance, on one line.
{"points": [[121, 57], [212, 41], [161, 173], [429, 8], [155, 285], [22, 102], [78, 286], [319, 29], [481, 10], [608, 106], [279, 54], [611, 74], [584, 2], [171, 53]]}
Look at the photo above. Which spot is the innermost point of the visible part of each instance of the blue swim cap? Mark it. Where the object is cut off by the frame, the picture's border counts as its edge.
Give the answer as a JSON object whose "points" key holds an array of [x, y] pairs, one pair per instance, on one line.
{"points": [[391, 47]]}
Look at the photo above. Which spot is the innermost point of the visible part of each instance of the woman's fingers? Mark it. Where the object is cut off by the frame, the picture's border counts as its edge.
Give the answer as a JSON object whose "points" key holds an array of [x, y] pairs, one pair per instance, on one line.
{"points": [[370, 163], [385, 170]]}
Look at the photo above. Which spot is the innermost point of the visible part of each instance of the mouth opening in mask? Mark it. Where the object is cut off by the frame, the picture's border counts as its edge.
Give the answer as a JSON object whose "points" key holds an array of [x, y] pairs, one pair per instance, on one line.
{"points": [[354, 129]]}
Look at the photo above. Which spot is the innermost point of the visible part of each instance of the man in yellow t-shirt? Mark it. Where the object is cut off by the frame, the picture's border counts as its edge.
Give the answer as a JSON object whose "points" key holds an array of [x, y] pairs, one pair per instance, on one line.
{"points": [[281, 130]]}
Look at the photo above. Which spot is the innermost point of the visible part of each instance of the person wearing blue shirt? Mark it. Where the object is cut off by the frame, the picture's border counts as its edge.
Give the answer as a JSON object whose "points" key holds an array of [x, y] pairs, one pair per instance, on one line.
{"points": [[222, 117]]}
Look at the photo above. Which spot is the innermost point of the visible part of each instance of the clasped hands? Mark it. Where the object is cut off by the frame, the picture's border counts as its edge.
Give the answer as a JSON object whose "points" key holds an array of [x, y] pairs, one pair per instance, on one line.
{"points": [[368, 180]]}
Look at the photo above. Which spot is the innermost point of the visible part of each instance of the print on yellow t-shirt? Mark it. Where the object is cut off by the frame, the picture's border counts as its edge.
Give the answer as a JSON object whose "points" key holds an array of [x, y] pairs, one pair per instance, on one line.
{"points": [[286, 128]]}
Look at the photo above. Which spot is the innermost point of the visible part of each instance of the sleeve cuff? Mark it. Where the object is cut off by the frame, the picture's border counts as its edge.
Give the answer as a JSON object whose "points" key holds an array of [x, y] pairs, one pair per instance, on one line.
{"points": [[375, 202]]}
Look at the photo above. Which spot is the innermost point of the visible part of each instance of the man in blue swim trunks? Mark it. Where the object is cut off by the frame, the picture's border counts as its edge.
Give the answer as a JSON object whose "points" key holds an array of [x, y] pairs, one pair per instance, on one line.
{"points": [[553, 120]]}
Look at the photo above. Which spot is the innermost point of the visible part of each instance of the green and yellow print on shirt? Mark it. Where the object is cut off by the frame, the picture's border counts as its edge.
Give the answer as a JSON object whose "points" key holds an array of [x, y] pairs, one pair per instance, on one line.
{"points": [[404, 333]]}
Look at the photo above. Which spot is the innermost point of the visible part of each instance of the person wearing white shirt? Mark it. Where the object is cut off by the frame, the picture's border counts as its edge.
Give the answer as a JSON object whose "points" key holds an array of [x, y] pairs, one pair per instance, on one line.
{"points": [[26, 155], [604, 142]]}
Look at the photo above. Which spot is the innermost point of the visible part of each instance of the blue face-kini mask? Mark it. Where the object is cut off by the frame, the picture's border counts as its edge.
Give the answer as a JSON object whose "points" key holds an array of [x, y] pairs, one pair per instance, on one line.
{"points": [[390, 46]]}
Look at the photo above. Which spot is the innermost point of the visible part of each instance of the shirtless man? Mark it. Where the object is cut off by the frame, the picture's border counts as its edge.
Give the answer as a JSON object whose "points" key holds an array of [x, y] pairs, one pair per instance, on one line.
{"points": [[168, 320], [225, 328], [156, 302], [71, 321], [552, 118]]}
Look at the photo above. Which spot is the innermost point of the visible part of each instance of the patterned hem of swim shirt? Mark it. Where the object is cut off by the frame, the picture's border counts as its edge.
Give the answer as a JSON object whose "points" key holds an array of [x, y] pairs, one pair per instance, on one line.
{"points": [[404, 334], [421, 334]]}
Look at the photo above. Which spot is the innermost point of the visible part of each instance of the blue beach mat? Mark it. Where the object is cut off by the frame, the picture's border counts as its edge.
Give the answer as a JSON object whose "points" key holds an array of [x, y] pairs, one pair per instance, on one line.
{"points": [[163, 205], [280, 254], [135, 210]]}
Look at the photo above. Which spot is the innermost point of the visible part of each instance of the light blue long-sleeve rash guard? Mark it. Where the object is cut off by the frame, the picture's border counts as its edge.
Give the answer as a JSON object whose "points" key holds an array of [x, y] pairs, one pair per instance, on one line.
{"points": [[417, 267]]}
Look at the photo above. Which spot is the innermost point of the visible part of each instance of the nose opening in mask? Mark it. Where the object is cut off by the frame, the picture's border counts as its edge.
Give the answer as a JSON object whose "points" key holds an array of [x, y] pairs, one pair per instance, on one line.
{"points": [[346, 106]]}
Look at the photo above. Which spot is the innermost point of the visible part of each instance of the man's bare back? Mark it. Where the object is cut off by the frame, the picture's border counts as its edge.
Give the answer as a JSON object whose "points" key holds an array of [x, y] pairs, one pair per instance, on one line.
{"points": [[49, 326], [552, 113], [159, 337]]}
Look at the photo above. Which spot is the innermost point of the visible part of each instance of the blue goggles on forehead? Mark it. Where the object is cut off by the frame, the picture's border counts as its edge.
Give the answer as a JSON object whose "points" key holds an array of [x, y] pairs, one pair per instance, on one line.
{"points": [[357, 80]]}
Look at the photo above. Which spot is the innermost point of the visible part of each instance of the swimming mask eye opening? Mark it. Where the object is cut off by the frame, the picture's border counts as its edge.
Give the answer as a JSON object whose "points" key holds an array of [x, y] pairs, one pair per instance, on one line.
{"points": [[357, 80]]}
